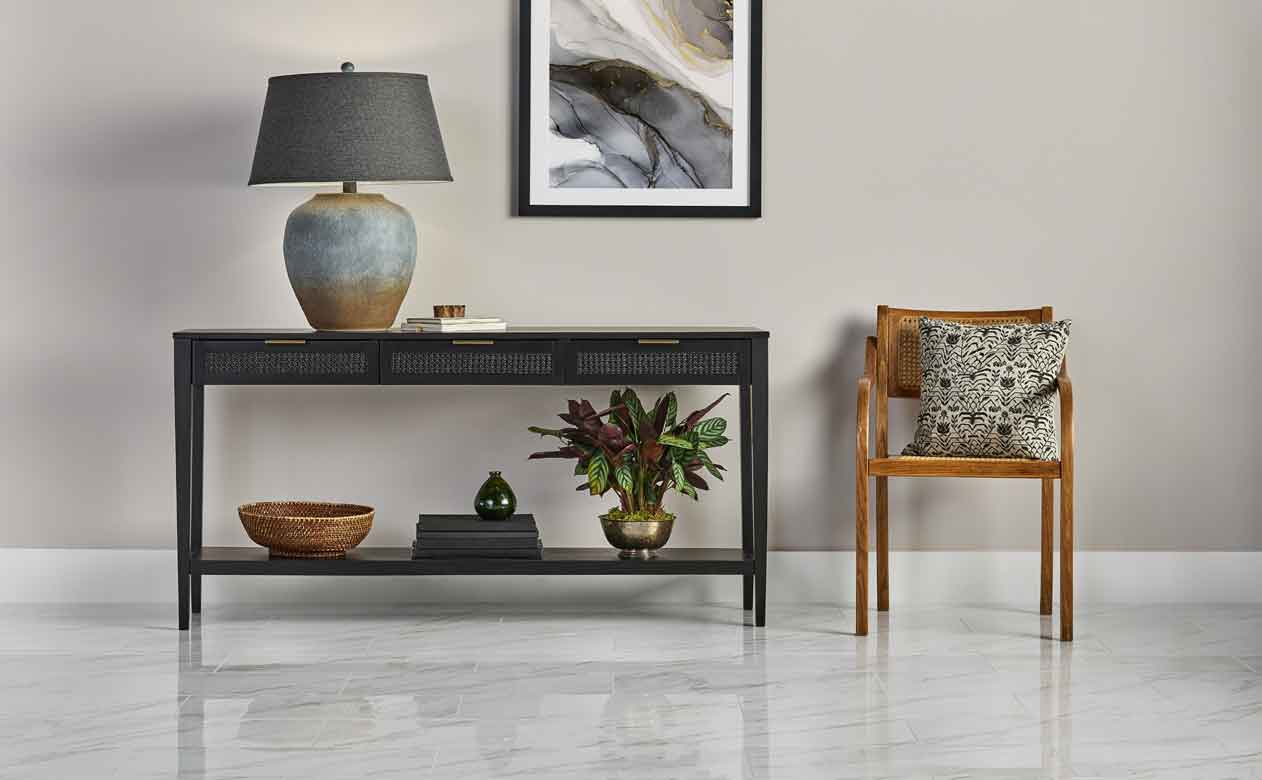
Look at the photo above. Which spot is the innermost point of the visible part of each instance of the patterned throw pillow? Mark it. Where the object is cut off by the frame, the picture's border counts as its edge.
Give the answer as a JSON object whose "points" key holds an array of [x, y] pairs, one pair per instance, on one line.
{"points": [[986, 390]]}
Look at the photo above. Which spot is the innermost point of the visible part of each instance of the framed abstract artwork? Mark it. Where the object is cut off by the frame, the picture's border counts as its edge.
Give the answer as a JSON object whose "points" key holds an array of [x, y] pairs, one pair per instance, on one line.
{"points": [[640, 108]]}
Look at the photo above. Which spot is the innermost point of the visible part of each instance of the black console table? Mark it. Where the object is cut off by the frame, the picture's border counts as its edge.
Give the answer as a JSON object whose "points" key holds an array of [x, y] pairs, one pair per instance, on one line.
{"points": [[525, 356]]}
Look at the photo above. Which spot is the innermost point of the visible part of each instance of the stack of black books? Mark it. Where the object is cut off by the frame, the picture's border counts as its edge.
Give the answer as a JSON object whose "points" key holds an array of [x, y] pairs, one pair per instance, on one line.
{"points": [[469, 536]]}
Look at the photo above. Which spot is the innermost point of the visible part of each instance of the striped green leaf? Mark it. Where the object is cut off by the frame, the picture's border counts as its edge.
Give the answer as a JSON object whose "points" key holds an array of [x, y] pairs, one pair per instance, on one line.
{"points": [[634, 407], [622, 475], [710, 465], [717, 441], [674, 441], [598, 474], [713, 428], [681, 479]]}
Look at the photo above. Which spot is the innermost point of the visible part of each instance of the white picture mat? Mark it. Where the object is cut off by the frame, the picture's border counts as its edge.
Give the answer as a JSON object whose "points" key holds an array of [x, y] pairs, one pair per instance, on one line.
{"points": [[542, 194]]}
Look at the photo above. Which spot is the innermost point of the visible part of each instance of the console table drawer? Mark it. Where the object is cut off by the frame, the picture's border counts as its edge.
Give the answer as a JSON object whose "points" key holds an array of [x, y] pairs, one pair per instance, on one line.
{"points": [[650, 361], [285, 362], [471, 360]]}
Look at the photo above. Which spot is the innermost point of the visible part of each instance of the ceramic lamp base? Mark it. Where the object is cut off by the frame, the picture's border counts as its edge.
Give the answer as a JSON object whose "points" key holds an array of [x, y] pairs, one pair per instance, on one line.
{"points": [[350, 259]]}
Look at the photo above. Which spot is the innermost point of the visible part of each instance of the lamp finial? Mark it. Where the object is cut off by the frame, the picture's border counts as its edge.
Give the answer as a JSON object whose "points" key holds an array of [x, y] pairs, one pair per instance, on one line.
{"points": [[348, 67]]}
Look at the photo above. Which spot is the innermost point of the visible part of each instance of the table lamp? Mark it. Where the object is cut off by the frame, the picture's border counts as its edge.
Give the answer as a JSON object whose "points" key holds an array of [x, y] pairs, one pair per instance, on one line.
{"points": [[349, 255]]}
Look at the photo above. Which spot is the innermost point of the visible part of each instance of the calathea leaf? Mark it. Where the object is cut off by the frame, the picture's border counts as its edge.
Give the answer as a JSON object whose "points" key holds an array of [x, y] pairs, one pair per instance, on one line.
{"points": [[674, 441], [696, 481], [545, 431], [717, 441], [672, 411], [565, 452], [615, 398], [659, 415], [710, 466], [634, 407], [651, 451], [621, 416], [681, 479], [696, 416], [598, 474], [689, 490], [626, 450], [711, 428], [611, 437], [622, 475]]}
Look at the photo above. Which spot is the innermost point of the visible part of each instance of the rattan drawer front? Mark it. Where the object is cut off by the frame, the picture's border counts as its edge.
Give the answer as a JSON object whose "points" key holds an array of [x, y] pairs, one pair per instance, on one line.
{"points": [[658, 362], [285, 362], [474, 360]]}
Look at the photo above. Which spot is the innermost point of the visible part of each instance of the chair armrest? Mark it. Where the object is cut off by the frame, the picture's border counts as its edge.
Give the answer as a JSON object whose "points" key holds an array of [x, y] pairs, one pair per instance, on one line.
{"points": [[1065, 389], [863, 411], [861, 418]]}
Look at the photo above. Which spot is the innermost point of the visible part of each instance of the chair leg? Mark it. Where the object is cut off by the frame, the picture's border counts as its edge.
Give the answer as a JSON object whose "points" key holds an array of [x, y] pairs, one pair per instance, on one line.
{"points": [[1067, 555], [882, 544], [861, 549], [1045, 548]]}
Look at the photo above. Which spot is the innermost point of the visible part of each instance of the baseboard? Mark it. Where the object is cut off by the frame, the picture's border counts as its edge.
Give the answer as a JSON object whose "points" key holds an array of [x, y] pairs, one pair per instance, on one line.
{"points": [[997, 577]]}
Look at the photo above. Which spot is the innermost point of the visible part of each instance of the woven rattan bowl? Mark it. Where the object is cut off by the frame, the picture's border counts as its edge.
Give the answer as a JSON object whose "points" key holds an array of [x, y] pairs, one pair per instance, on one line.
{"points": [[306, 529]]}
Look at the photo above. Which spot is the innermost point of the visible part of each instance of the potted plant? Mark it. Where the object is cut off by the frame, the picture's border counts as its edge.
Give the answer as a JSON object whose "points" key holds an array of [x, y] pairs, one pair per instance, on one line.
{"points": [[641, 455]]}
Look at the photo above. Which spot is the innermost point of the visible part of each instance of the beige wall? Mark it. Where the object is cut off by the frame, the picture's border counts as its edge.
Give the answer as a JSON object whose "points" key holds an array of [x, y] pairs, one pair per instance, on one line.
{"points": [[1101, 157]]}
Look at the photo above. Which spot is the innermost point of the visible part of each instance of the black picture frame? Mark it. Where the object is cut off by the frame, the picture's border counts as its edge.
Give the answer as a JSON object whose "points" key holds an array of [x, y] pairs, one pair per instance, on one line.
{"points": [[523, 206]]}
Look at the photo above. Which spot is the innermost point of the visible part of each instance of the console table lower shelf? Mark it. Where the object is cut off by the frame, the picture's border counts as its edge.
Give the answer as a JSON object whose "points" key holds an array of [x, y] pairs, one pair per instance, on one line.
{"points": [[398, 561]]}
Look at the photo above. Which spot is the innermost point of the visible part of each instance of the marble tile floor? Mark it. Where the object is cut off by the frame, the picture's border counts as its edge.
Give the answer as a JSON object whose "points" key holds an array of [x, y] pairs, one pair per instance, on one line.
{"points": [[653, 691]]}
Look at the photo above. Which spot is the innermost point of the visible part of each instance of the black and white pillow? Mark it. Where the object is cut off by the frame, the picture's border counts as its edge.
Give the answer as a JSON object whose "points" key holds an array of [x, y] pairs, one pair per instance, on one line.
{"points": [[986, 390]]}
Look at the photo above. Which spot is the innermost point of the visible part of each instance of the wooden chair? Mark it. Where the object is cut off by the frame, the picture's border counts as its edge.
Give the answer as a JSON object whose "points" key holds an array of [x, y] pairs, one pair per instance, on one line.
{"points": [[892, 363]]}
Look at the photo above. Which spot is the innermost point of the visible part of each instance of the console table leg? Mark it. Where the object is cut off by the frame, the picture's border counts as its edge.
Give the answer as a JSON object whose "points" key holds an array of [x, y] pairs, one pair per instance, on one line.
{"points": [[195, 520], [760, 408], [747, 494], [183, 470]]}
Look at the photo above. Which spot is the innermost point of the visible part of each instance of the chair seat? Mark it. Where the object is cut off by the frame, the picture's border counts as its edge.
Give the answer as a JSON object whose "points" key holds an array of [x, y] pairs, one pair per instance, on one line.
{"points": [[921, 466]]}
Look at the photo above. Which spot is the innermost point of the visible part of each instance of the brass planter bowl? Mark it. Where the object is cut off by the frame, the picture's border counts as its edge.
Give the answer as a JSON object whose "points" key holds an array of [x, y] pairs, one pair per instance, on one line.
{"points": [[306, 529], [637, 538]]}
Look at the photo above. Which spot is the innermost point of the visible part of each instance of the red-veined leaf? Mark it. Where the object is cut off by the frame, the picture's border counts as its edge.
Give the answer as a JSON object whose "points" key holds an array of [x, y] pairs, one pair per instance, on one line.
{"points": [[696, 481], [696, 416]]}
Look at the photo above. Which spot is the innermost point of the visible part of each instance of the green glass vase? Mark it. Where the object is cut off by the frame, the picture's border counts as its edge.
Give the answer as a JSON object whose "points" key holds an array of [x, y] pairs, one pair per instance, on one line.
{"points": [[495, 499]]}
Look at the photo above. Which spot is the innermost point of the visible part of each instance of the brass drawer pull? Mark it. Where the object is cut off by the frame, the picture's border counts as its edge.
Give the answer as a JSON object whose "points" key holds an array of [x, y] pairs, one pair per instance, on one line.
{"points": [[284, 342], [472, 342], [659, 342]]}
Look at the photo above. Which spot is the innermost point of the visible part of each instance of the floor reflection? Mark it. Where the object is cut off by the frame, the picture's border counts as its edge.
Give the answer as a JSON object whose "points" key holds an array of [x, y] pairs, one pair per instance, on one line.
{"points": [[685, 692], [602, 718]]}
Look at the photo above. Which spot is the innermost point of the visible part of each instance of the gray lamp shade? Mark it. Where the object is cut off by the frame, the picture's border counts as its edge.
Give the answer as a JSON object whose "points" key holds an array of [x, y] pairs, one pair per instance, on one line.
{"points": [[321, 128]]}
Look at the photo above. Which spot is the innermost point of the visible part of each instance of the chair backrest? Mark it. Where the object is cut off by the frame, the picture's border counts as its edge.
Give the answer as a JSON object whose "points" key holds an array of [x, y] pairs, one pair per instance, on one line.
{"points": [[898, 341]]}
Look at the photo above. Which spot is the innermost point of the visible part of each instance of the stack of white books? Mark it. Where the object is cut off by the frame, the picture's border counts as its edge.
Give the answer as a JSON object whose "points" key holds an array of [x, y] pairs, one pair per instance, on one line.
{"points": [[454, 324]]}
